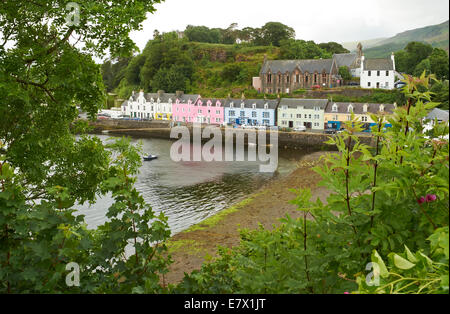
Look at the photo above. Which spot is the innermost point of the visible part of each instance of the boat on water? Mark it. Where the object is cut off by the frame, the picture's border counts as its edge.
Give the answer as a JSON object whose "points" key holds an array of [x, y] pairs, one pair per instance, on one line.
{"points": [[150, 157]]}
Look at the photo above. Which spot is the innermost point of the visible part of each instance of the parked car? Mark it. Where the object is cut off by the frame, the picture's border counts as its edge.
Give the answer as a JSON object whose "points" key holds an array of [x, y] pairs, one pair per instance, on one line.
{"points": [[399, 84], [330, 131], [315, 87], [353, 84], [301, 128]]}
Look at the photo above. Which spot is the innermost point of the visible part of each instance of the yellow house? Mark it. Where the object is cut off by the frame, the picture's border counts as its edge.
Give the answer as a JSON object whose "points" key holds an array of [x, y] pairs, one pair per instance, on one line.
{"points": [[338, 112]]}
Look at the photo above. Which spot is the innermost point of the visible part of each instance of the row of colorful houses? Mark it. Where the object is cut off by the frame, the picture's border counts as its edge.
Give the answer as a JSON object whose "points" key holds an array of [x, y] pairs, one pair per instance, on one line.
{"points": [[313, 114]]}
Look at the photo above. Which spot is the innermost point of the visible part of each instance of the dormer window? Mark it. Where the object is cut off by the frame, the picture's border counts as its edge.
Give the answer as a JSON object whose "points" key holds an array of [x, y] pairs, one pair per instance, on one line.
{"points": [[178, 101], [159, 100], [217, 103], [350, 108], [381, 108], [266, 106], [231, 105], [200, 103], [152, 100], [242, 105], [209, 103], [334, 108], [189, 102], [254, 106], [365, 108]]}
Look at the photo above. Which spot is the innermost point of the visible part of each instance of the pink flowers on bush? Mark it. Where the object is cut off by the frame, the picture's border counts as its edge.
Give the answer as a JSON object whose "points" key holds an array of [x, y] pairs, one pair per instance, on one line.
{"points": [[429, 198]]}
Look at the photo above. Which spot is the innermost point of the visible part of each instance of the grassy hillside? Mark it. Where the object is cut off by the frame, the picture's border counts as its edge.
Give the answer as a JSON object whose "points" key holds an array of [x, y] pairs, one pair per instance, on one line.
{"points": [[436, 35], [365, 43]]}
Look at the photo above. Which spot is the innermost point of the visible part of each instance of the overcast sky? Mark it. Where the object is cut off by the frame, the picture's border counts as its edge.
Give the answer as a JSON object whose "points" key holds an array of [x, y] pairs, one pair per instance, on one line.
{"points": [[321, 21]]}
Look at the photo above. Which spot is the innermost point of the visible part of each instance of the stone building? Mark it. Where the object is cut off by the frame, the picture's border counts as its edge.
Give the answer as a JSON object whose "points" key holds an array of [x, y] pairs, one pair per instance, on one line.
{"points": [[286, 76], [350, 60]]}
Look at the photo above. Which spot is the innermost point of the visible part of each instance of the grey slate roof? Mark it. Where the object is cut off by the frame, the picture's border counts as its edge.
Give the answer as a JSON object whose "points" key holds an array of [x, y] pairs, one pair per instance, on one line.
{"points": [[306, 103], [311, 66], [358, 107], [384, 64], [345, 59], [248, 103], [164, 97], [436, 113]]}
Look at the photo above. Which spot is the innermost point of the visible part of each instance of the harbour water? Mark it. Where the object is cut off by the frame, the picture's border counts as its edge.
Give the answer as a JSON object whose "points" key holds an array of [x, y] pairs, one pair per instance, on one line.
{"points": [[189, 192]]}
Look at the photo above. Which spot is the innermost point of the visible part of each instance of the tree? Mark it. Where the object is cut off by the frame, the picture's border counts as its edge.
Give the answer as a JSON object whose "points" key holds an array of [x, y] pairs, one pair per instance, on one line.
{"points": [[170, 80], [345, 73], [45, 170], [300, 49], [333, 47], [439, 63], [274, 32], [417, 51], [424, 65]]}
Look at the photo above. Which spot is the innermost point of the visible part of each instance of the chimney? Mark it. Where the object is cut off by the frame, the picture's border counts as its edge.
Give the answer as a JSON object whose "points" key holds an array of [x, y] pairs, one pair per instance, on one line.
{"points": [[393, 60], [160, 93], [179, 93]]}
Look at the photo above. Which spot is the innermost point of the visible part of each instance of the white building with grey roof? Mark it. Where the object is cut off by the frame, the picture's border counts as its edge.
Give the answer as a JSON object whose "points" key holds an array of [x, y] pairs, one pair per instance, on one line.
{"points": [[378, 73], [298, 112]]}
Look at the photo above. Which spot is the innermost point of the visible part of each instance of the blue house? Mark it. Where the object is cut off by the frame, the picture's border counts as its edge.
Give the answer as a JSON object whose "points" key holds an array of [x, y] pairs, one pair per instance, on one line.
{"points": [[250, 111]]}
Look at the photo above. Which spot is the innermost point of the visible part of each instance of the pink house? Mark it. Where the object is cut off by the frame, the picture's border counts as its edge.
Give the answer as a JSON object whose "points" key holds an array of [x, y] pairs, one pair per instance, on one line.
{"points": [[209, 111]]}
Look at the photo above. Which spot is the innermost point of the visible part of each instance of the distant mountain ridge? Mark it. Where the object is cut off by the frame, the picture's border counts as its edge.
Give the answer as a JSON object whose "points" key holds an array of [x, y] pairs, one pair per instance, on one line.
{"points": [[435, 35]]}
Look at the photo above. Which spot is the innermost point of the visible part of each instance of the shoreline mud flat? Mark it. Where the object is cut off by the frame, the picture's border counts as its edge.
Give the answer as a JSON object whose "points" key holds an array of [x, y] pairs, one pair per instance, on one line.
{"points": [[191, 248]]}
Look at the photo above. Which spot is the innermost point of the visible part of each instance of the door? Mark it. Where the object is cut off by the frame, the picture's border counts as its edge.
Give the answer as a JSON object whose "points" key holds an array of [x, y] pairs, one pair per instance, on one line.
{"points": [[291, 124]]}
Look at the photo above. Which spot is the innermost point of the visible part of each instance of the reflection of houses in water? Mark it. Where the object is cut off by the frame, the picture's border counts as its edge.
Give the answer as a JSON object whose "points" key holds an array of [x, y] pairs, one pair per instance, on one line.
{"points": [[338, 112]]}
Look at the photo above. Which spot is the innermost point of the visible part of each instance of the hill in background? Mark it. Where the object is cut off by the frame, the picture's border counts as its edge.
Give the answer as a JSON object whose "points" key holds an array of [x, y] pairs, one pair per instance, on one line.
{"points": [[436, 35]]}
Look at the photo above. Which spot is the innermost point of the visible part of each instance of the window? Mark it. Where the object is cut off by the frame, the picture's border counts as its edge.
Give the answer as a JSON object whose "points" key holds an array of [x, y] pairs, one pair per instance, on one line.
{"points": [[287, 78], [200, 111], [306, 78], [232, 113], [218, 104], [378, 73], [350, 108], [217, 120], [387, 73], [299, 116], [309, 116], [242, 113], [316, 116], [266, 114], [284, 115], [217, 111], [266, 106], [335, 118], [315, 78], [334, 108], [279, 78], [368, 84], [324, 77], [387, 84], [284, 122], [364, 119], [242, 105], [231, 105], [269, 78], [365, 108], [254, 106], [369, 73], [253, 114], [316, 108], [349, 118], [381, 108], [297, 78]]}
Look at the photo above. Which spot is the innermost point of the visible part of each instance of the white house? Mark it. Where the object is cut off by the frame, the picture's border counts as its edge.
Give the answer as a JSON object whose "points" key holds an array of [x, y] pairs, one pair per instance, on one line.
{"points": [[378, 73], [298, 112]]}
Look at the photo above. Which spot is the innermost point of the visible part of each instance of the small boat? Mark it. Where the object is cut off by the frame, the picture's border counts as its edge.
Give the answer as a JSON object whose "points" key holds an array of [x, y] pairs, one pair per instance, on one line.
{"points": [[150, 157]]}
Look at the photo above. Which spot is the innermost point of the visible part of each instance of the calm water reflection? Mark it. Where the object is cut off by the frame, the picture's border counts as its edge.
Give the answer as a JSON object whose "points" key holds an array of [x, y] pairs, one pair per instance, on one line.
{"points": [[189, 192]]}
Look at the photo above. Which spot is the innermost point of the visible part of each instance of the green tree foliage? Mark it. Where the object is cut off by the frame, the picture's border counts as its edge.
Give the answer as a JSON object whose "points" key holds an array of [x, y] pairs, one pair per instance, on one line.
{"points": [[333, 47], [170, 80], [344, 72], [273, 33], [423, 65], [45, 170], [300, 49], [389, 197], [439, 63]]}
